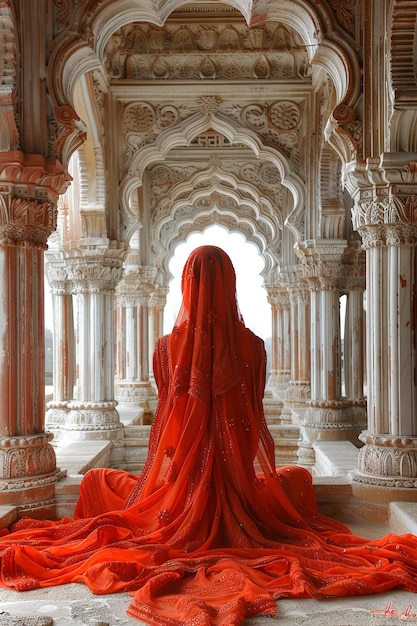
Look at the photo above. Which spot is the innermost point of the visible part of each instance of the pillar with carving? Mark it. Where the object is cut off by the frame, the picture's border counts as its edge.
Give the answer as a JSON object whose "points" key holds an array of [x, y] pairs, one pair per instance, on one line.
{"points": [[354, 344], [329, 414], [63, 344], [280, 375], [385, 215], [132, 312], [29, 189], [298, 390], [94, 274], [157, 304]]}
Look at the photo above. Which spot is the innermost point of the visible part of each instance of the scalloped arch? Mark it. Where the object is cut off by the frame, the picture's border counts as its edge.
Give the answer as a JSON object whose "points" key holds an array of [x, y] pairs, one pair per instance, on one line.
{"points": [[314, 26], [237, 189], [264, 225], [199, 222], [184, 133]]}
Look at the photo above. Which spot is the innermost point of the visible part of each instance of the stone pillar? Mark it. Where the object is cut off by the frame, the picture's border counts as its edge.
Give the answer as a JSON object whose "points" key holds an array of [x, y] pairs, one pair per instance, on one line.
{"points": [[353, 282], [157, 304], [329, 415], [280, 375], [63, 346], [94, 274], [385, 215], [298, 390], [29, 188], [132, 383]]}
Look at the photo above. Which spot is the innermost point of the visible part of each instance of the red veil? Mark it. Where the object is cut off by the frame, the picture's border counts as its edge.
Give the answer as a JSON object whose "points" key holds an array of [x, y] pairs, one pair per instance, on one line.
{"points": [[210, 532]]}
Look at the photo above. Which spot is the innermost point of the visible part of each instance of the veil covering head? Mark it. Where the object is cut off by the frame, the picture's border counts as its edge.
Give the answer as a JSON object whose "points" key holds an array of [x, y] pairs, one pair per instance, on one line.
{"points": [[203, 345]]}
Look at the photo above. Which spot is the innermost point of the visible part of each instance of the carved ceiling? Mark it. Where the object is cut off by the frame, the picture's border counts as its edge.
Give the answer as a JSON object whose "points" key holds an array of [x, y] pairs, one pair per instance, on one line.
{"points": [[211, 126], [207, 112]]}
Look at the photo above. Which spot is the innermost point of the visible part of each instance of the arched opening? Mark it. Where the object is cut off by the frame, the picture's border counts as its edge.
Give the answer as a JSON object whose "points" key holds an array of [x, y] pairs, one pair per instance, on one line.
{"points": [[248, 264]]}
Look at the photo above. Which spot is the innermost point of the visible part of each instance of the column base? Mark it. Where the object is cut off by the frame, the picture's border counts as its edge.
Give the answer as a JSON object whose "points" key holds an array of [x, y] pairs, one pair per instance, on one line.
{"points": [[334, 421], [141, 394], [28, 474], [55, 418], [387, 468], [278, 383], [92, 420]]}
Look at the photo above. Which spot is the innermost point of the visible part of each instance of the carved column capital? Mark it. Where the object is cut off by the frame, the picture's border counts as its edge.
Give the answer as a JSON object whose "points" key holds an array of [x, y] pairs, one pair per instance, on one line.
{"points": [[385, 195], [96, 270], [29, 190], [321, 264], [353, 270], [159, 297], [278, 296], [137, 286]]}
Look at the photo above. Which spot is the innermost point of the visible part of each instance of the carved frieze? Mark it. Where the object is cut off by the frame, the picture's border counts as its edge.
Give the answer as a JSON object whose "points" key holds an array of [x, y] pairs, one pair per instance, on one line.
{"points": [[279, 124], [29, 455], [196, 51]]}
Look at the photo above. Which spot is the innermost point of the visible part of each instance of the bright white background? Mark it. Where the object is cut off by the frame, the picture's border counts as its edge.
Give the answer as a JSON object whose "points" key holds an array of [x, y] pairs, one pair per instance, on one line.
{"points": [[248, 264]]}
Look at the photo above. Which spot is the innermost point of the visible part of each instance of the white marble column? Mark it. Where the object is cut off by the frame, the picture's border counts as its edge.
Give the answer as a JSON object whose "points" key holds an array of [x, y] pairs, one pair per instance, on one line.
{"points": [[93, 414], [385, 215], [157, 304], [298, 390], [29, 191], [329, 414], [354, 335], [132, 380], [63, 346], [280, 375]]}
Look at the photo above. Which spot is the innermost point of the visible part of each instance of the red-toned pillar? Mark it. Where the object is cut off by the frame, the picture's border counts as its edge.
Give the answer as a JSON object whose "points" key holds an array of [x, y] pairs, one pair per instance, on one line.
{"points": [[29, 189]]}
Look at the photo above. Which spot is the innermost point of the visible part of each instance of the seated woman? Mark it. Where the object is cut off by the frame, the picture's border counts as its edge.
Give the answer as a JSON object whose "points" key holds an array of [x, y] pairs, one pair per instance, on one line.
{"points": [[210, 532]]}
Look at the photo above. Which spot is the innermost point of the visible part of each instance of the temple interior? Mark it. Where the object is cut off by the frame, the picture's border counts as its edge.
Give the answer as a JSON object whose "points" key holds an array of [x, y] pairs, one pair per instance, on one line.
{"points": [[128, 127]]}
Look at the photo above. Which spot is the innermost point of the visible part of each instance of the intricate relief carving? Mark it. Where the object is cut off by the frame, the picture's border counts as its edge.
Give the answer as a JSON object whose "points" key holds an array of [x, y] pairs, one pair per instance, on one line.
{"points": [[335, 415], [29, 189], [92, 416], [388, 460], [137, 286], [279, 124], [278, 297], [391, 222], [142, 394], [264, 178], [29, 455], [344, 12], [202, 52], [298, 393], [94, 277]]}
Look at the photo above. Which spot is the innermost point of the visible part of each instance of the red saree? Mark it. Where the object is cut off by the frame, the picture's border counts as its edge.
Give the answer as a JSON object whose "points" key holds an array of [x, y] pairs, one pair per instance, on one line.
{"points": [[210, 532]]}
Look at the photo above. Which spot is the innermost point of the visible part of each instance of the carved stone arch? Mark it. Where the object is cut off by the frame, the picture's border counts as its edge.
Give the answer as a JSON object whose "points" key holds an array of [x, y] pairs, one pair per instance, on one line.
{"points": [[228, 204], [9, 134], [70, 60], [328, 51], [240, 188], [195, 222], [182, 135]]}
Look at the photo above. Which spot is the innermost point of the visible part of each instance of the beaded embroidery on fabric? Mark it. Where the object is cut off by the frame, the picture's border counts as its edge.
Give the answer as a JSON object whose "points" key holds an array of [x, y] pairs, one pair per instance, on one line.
{"points": [[211, 532]]}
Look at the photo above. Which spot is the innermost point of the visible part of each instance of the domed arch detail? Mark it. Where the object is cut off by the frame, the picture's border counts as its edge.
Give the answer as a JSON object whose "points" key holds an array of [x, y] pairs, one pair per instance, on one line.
{"points": [[84, 49], [182, 135], [197, 222]]}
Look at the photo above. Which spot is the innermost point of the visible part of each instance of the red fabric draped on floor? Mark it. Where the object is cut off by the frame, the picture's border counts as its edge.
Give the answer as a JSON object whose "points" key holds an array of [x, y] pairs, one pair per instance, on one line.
{"points": [[210, 532]]}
